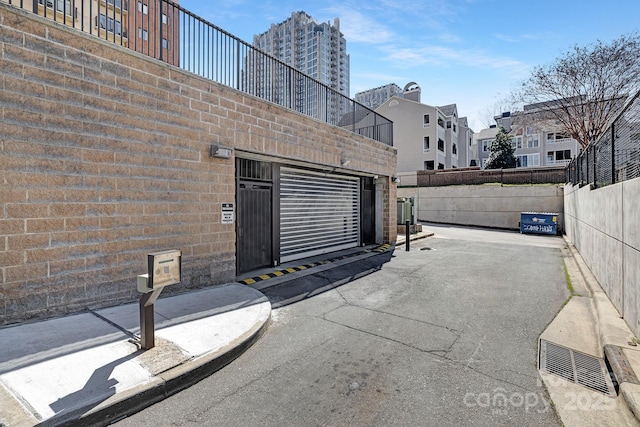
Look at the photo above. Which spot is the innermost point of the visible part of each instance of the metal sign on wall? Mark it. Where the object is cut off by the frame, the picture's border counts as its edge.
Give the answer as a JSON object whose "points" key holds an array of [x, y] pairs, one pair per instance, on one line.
{"points": [[227, 213]]}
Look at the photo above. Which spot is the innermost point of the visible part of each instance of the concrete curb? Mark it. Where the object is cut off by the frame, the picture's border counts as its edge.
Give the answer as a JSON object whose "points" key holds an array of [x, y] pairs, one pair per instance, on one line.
{"points": [[167, 383], [166, 379], [612, 331], [401, 240]]}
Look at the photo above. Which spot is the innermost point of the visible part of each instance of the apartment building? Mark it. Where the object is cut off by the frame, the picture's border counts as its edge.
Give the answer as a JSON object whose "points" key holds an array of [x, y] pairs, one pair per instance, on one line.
{"points": [[427, 137], [155, 23], [373, 98], [156, 26], [317, 49], [538, 141]]}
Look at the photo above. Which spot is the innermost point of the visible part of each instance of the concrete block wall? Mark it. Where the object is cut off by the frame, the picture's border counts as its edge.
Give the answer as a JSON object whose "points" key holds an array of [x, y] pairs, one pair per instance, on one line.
{"points": [[104, 156], [484, 205], [604, 226]]}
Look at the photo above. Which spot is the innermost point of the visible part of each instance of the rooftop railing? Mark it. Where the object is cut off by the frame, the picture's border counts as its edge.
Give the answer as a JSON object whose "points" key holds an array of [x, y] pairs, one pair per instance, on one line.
{"points": [[168, 32]]}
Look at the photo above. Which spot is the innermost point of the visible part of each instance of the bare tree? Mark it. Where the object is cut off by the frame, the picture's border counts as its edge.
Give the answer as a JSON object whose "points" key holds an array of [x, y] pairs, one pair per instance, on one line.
{"points": [[488, 114], [585, 89]]}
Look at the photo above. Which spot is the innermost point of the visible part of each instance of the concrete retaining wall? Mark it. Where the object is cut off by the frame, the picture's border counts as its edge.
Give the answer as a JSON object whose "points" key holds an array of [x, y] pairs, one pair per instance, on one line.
{"points": [[484, 205], [604, 225]]}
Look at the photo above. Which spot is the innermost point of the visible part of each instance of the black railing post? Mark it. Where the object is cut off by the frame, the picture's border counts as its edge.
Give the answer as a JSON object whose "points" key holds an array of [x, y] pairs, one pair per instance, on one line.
{"points": [[613, 153], [595, 171], [407, 234], [587, 164], [160, 26]]}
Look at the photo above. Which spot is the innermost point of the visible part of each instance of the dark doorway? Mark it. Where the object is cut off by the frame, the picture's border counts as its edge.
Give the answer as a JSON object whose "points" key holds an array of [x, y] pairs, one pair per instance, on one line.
{"points": [[254, 213], [367, 211]]}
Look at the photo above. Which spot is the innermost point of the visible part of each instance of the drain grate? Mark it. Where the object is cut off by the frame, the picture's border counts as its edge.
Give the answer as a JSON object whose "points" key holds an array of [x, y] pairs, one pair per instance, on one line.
{"points": [[580, 368]]}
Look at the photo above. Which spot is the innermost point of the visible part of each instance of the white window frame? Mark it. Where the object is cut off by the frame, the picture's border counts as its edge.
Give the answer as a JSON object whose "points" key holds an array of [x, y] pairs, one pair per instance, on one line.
{"points": [[143, 8]]}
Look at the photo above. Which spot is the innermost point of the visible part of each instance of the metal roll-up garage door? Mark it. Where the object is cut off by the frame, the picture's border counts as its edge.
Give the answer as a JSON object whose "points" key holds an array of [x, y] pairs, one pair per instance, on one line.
{"points": [[319, 212]]}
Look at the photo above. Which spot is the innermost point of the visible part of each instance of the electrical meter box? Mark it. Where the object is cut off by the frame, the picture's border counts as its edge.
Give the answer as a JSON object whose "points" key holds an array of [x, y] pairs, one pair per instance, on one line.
{"points": [[164, 269]]}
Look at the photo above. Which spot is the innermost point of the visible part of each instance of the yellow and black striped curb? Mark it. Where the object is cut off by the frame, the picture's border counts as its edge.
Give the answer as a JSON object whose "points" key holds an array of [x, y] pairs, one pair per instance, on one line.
{"points": [[267, 276]]}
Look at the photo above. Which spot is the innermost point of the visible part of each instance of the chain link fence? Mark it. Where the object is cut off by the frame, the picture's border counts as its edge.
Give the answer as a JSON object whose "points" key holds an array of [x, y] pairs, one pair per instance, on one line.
{"points": [[615, 157]]}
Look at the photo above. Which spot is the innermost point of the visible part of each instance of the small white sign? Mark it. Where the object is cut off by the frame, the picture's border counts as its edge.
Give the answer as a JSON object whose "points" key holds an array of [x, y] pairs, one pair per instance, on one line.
{"points": [[227, 213]]}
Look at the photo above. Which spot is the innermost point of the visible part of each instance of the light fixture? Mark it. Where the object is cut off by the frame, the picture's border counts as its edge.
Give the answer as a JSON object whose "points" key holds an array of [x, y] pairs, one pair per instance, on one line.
{"points": [[220, 151], [345, 162]]}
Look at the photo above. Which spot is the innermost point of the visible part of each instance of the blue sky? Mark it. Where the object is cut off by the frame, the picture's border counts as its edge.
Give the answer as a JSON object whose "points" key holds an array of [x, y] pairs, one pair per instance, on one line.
{"points": [[468, 52]]}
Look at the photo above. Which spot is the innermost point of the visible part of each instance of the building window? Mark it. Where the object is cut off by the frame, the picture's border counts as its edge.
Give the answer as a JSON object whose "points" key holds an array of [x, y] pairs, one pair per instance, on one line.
{"points": [[426, 120], [485, 145], [560, 156], [165, 19], [454, 149], [62, 6], [143, 34], [440, 166], [116, 3], [557, 137], [143, 8], [518, 140], [528, 160], [532, 141], [425, 144], [429, 165], [440, 145], [165, 44], [448, 124], [441, 122], [110, 25]]}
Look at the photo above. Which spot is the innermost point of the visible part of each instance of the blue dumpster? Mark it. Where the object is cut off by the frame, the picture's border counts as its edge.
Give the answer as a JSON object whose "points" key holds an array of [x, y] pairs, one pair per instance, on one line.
{"points": [[539, 222]]}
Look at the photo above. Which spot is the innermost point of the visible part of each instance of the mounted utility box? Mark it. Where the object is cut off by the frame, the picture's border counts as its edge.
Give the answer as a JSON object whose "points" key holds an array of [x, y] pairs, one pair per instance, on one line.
{"points": [[539, 222], [164, 269], [405, 210]]}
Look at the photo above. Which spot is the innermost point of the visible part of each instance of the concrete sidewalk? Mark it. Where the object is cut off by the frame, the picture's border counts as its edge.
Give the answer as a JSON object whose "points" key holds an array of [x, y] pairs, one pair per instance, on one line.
{"points": [[588, 323], [87, 368]]}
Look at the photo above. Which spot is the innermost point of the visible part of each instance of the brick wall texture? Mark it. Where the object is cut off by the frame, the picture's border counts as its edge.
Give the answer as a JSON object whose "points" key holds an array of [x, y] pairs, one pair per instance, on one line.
{"points": [[104, 158]]}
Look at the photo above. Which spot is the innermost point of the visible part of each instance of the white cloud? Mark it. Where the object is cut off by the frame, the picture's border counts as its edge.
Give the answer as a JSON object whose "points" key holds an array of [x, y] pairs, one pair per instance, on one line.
{"points": [[359, 27], [525, 37], [446, 56]]}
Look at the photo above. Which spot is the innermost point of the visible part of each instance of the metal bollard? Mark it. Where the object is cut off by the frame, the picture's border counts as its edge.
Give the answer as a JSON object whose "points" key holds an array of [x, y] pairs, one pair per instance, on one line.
{"points": [[406, 223]]}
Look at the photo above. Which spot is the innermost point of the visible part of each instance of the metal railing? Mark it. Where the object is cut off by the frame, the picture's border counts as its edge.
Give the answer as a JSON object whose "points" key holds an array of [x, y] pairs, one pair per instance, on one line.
{"points": [[170, 33], [615, 156]]}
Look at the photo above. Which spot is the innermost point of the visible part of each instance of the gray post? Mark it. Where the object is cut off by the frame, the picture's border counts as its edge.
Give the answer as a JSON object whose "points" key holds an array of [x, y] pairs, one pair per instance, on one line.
{"points": [[147, 327]]}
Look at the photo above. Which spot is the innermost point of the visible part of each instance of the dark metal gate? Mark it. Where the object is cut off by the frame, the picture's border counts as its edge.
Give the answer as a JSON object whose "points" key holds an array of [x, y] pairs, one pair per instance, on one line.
{"points": [[368, 211], [254, 247]]}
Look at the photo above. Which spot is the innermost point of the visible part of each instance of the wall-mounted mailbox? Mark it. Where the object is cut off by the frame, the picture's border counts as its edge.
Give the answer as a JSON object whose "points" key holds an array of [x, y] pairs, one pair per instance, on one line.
{"points": [[164, 269]]}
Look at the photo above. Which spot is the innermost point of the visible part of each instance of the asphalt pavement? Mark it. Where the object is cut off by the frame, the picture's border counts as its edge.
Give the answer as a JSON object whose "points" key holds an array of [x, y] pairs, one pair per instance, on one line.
{"points": [[88, 369]]}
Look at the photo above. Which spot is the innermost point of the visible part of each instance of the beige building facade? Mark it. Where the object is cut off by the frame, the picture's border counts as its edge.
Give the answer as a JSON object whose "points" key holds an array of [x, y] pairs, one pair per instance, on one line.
{"points": [[427, 137], [537, 143], [108, 155]]}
